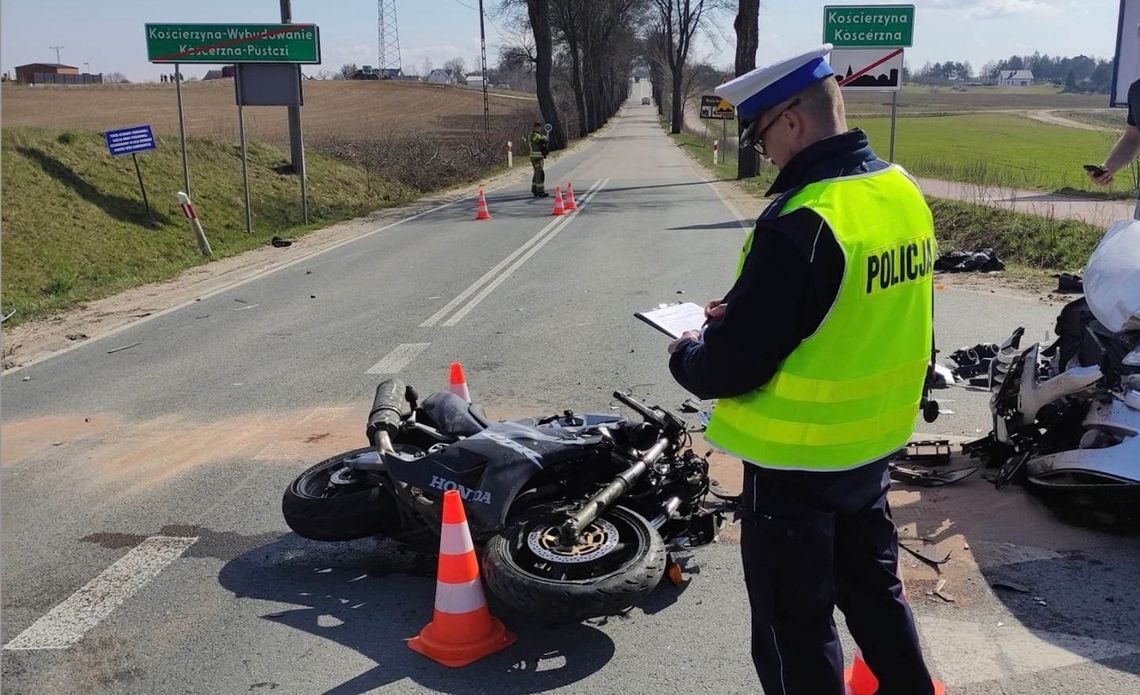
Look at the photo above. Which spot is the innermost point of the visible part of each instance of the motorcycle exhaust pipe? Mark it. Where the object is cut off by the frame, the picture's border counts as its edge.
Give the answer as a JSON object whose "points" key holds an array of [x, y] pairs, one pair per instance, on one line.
{"points": [[572, 527], [667, 512], [386, 414]]}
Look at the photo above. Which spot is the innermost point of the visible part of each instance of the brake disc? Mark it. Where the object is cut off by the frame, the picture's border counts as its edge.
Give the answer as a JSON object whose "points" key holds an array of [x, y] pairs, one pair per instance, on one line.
{"points": [[596, 541]]}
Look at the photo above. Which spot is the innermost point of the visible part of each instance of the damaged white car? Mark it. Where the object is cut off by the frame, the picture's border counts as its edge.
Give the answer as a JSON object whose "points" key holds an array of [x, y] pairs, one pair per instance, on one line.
{"points": [[1067, 416]]}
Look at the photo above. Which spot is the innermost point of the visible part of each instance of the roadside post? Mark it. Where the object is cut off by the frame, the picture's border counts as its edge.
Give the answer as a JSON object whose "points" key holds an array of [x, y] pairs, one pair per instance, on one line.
{"points": [[133, 140], [195, 225], [267, 59], [510, 155], [715, 108], [868, 55]]}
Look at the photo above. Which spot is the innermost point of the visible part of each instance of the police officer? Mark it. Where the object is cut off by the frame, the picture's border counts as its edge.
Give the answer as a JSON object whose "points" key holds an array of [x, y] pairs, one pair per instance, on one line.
{"points": [[538, 151], [818, 356], [1126, 149]]}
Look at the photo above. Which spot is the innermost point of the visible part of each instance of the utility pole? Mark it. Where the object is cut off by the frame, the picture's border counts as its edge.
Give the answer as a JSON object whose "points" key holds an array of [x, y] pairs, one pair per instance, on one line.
{"points": [[296, 145], [56, 49], [483, 48]]}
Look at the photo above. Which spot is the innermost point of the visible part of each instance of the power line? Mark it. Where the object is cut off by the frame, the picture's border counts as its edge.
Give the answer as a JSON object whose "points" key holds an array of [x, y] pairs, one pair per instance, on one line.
{"points": [[57, 49]]}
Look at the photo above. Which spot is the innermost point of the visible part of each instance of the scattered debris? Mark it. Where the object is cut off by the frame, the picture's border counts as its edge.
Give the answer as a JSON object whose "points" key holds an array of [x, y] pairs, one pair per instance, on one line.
{"points": [[312, 296], [1040, 601], [690, 406], [248, 306], [76, 336], [932, 452], [10, 315], [1067, 283], [940, 593], [929, 478], [125, 347], [983, 260], [943, 377], [241, 301], [203, 316], [141, 316], [974, 361], [280, 243], [928, 555], [27, 378], [1012, 586]]}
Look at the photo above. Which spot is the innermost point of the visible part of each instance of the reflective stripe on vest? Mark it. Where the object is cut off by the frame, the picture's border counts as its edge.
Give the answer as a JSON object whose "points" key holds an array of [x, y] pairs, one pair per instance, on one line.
{"points": [[849, 393], [535, 142]]}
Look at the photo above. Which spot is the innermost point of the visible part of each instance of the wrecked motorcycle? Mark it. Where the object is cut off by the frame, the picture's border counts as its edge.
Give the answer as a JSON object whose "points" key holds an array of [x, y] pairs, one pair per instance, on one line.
{"points": [[571, 512], [1067, 416]]}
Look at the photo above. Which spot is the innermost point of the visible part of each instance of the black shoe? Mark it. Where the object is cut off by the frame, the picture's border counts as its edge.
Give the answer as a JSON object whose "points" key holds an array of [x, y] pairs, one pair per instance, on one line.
{"points": [[544, 194]]}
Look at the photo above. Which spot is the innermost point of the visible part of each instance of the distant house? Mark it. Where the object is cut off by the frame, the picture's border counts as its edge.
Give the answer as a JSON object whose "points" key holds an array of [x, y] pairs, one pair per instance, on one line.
{"points": [[439, 76], [1015, 78], [53, 73], [475, 80], [227, 72]]}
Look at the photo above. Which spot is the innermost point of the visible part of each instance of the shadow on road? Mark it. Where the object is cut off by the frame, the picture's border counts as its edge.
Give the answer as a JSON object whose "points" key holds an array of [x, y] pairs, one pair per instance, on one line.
{"points": [[370, 597]]}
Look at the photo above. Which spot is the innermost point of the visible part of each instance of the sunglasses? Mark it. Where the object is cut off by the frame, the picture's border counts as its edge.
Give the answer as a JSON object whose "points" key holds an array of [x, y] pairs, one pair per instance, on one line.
{"points": [[758, 138]]}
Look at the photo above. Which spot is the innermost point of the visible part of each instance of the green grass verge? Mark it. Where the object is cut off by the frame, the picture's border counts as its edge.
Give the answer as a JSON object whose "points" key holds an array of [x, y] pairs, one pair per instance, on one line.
{"points": [[996, 150], [1030, 244], [75, 228]]}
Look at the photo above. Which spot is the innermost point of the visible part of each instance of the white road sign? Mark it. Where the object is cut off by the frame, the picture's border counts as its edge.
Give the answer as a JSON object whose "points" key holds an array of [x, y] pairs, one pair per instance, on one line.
{"points": [[1127, 51], [868, 69]]}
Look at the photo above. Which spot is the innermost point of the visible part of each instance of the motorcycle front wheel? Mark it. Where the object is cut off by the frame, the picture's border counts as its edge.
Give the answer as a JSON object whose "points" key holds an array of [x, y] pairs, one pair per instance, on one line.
{"points": [[618, 560], [333, 502]]}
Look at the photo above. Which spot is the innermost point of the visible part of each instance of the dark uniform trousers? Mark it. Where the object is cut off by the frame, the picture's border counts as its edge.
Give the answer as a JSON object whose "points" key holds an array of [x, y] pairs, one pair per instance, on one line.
{"points": [[813, 541]]}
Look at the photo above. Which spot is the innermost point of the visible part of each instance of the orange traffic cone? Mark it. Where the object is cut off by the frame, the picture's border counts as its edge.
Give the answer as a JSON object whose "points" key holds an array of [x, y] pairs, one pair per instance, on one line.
{"points": [[570, 204], [559, 209], [860, 679], [459, 382], [462, 630], [481, 211]]}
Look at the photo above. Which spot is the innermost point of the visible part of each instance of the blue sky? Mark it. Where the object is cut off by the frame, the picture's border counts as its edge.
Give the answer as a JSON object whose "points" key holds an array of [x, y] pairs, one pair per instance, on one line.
{"points": [[108, 34]]}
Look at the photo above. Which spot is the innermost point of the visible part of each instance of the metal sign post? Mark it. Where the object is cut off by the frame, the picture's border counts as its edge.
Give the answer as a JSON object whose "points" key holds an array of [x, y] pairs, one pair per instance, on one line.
{"points": [[894, 119], [133, 140], [182, 129], [244, 158]]}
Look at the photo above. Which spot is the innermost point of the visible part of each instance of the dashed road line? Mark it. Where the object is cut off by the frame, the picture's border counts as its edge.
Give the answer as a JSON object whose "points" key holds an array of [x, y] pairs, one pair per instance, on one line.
{"points": [[399, 358], [67, 623]]}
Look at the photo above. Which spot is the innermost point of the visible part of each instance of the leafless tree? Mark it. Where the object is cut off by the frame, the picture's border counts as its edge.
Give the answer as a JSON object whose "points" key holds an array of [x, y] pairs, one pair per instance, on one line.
{"points": [[677, 22], [348, 70], [456, 70], [747, 26]]}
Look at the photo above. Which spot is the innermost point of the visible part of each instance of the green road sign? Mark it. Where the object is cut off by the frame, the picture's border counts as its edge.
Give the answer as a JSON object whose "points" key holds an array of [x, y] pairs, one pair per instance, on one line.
{"points": [[869, 26], [233, 43]]}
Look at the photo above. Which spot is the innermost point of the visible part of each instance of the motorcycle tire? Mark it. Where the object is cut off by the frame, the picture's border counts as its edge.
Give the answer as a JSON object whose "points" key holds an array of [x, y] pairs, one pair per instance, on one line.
{"points": [[350, 512], [532, 583]]}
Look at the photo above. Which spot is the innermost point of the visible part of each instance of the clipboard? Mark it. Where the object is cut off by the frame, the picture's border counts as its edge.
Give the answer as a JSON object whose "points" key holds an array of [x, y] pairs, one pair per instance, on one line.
{"points": [[675, 319]]}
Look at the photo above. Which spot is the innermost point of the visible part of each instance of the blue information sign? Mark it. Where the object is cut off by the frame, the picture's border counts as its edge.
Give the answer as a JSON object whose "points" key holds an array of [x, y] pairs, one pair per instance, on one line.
{"points": [[130, 140]]}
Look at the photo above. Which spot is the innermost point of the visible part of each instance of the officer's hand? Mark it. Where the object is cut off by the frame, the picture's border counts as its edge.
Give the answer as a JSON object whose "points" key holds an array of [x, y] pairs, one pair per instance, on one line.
{"points": [[687, 335], [714, 310], [1101, 179]]}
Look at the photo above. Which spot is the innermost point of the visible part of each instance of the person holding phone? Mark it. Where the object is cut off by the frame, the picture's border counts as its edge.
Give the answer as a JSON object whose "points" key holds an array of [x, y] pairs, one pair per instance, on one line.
{"points": [[1127, 148]]}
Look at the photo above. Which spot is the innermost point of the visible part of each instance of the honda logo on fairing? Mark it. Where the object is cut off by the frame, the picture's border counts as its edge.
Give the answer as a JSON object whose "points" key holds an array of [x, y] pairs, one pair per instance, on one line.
{"points": [[468, 494]]}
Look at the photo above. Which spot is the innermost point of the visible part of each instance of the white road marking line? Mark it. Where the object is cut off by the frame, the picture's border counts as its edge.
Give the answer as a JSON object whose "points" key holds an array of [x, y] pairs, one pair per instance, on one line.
{"points": [[67, 623], [399, 358], [563, 223], [967, 652], [437, 316]]}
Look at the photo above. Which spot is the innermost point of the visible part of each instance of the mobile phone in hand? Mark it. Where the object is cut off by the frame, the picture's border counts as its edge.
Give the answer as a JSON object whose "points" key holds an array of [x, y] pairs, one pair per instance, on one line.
{"points": [[1096, 169]]}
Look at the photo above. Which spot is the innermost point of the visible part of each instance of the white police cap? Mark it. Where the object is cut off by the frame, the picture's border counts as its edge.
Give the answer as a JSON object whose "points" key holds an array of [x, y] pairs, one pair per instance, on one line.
{"points": [[755, 92]]}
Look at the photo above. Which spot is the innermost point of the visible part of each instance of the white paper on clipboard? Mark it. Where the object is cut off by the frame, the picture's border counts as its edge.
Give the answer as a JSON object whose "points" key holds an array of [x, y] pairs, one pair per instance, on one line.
{"points": [[675, 319]]}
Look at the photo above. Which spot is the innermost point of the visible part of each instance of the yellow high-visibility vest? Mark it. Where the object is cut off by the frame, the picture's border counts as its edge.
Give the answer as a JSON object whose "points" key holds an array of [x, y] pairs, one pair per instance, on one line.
{"points": [[848, 394]]}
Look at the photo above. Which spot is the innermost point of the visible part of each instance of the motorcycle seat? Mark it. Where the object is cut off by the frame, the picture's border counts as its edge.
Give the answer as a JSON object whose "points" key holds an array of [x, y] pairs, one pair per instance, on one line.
{"points": [[455, 416]]}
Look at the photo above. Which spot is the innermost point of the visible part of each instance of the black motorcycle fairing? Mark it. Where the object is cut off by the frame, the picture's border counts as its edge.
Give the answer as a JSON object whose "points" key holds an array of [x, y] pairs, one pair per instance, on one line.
{"points": [[453, 415], [491, 467]]}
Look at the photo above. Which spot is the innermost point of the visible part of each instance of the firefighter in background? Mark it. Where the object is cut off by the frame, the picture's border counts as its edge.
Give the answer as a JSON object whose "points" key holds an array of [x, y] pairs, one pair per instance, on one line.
{"points": [[538, 151]]}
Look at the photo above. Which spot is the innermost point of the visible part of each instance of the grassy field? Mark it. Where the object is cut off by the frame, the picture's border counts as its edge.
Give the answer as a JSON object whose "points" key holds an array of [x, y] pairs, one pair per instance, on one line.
{"points": [[1102, 118], [995, 149], [922, 99], [75, 228], [1028, 242], [344, 109]]}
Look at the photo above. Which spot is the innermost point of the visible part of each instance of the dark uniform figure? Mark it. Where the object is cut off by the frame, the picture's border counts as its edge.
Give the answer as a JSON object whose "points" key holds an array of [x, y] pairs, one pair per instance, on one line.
{"points": [[818, 357], [538, 151]]}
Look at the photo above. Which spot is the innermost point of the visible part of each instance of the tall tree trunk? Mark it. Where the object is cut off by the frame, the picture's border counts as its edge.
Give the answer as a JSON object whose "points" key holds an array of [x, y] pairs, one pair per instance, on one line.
{"points": [[678, 115], [579, 93], [539, 13], [747, 27]]}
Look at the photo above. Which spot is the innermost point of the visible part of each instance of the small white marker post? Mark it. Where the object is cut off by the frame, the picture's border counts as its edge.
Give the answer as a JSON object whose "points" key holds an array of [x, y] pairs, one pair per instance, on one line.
{"points": [[716, 151], [192, 215], [510, 155]]}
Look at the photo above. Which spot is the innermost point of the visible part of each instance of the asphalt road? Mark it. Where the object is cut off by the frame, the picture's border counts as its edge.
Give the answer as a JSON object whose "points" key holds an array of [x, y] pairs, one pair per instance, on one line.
{"points": [[141, 487]]}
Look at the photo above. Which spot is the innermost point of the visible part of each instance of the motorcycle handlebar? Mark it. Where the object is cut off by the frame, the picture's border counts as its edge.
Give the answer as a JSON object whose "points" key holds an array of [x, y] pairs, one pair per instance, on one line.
{"points": [[647, 413]]}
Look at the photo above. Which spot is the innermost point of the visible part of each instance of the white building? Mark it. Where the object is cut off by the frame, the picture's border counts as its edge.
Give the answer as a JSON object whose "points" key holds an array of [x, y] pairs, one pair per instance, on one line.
{"points": [[475, 80], [439, 76], [1015, 78]]}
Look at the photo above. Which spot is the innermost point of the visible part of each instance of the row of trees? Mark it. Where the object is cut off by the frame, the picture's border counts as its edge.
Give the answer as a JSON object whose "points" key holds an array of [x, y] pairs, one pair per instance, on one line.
{"points": [[589, 49], [1079, 73]]}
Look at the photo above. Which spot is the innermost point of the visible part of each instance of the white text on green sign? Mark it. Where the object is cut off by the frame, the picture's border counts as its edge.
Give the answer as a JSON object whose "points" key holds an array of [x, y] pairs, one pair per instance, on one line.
{"points": [[869, 26], [233, 43]]}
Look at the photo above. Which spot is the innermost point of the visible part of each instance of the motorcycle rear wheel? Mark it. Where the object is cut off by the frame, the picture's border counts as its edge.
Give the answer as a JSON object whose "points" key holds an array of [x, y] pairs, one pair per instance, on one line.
{"points": [[332, 502], [620, 559]]}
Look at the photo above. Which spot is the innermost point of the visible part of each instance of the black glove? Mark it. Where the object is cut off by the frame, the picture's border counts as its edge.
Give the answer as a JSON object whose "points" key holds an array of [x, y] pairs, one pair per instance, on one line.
{"points": [[544, 150]]}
